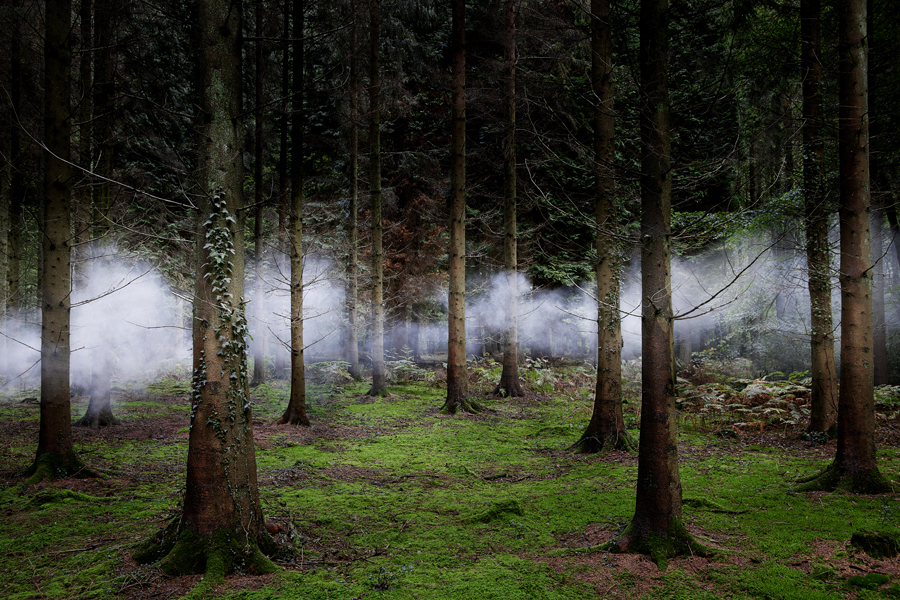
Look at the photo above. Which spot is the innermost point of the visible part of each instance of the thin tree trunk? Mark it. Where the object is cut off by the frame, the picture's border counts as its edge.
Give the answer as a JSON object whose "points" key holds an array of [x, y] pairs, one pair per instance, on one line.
{"points": [[606, 428], [295, 414], [824, 395], [283, 166], [259, 340], [457, 384], [509, 376], [55, 451], [378, 375], [879, 332], [656, 527], [16, 195], [352, 343]]}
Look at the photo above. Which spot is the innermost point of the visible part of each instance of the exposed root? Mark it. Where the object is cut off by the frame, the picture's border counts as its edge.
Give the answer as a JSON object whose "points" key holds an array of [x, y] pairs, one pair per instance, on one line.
{"points": [[592, 442], [451, 407], [836, 478], [50, 466], [676, 542]]}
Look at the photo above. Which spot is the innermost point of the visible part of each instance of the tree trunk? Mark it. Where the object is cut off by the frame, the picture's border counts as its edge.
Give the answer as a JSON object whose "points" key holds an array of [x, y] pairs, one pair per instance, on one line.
{"points": [[457, 384], [379, 387], [259, 339], [221, 527], [16, 196], [352, 343], [283, 166], [656, 528], [606, 427], [509, 376], [295, 414], [55, 451], [879, 331], [824, 394], [854, 467]]}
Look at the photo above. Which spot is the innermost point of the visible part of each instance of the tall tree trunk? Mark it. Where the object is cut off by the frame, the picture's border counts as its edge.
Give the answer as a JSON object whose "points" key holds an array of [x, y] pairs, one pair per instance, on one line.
{"points": [[283, 165], [259, 340], [16, 196], [824, 394], [509, 376], [606, 427], [378, 383], [295, 414], [879, 331], [656, 527], [457, 384], [221, 525], [99, 411], [55, 451], [352, 344], [854, 467]]}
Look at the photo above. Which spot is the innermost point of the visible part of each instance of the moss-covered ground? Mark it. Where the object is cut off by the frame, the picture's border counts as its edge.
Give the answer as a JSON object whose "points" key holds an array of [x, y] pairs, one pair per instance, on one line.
{"points": [[388, 498]]}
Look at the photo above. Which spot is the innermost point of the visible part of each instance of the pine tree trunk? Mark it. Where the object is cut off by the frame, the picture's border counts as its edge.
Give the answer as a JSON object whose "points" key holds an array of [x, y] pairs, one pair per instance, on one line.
{"points": [[379, 387], [824, 394], [607, 427], [283, 166], [457, 384], [221, 525], [509, 376], [352, 344], [16, 194], [656, 528], [295, 414], [854, 467], [855, 458], [55, 451], [259, 339]]}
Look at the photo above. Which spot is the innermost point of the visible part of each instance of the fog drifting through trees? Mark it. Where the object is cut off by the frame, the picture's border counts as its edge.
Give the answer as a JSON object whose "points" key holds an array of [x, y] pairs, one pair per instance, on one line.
{"points": [[760, 312]]}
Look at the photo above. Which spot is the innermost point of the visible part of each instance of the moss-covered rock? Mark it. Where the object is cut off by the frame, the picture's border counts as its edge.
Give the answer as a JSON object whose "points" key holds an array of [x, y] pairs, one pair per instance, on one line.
{"points": [[498, 511], [877, 544]]}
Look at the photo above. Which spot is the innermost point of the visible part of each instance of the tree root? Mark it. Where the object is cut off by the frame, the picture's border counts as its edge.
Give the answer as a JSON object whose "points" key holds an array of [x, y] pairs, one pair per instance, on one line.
{"points": [[50, 466], [592, 442], [835, 478], [183, 552], [462, 404], [676, 542]]}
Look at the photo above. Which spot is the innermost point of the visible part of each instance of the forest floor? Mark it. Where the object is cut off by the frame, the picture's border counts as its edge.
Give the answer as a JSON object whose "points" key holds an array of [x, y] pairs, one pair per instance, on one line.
{"points": [[387, 498]]}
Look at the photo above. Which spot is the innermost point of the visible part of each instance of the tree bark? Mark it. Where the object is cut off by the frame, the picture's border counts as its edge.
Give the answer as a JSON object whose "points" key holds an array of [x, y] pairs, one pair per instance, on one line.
{"points": [[824, 394], [259, 340], [606, 428], [457, 384], [16, 194], [295, 414], [509, 376], [55, 451], [854, 467], [352, 351], [379, 387], [221, 526], [656, 527], [283, 166]]}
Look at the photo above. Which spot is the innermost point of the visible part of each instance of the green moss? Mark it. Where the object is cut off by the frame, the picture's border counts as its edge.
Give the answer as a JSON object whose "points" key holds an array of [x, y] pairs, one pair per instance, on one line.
{"points": [[869, 581], [499, 510], [50, 466]]}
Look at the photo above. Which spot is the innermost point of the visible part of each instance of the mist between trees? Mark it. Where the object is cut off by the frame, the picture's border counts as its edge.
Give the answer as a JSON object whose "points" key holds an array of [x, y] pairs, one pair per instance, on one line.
{"points": [[745, 302]]}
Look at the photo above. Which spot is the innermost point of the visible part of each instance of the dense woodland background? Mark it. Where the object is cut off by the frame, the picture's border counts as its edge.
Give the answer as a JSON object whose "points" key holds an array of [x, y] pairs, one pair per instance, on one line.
{"points": [[199, 167], [737, 157]]}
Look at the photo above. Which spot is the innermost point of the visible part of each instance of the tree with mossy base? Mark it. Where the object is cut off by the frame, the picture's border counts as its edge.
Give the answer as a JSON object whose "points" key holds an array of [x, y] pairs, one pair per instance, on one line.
{"points": [[55, 453], [656, 528], [221, 525], [854, 467], [606, 429]]}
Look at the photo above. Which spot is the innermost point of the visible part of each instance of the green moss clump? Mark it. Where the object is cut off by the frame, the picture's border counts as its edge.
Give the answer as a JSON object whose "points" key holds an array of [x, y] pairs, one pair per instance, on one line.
{"points": [[50, 465], [676, 542], [54, 496], [498, 511], [869, 581]]}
